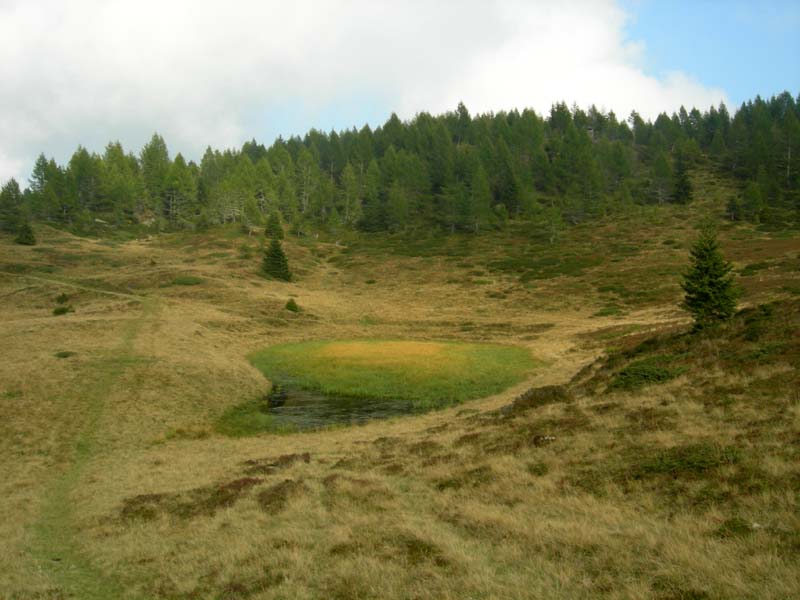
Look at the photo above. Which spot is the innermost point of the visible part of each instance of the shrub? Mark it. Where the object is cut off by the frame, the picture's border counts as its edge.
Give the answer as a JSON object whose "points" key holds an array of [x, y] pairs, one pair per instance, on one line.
{"points": [[735, 527], [753, 268], [646, 371], [291, 305], [25, 235], [691, 459], [63, 309], [187, 280], [756, 322], [538, 469], [203, 221], [536, 397], [611, 310], [62, 299]]}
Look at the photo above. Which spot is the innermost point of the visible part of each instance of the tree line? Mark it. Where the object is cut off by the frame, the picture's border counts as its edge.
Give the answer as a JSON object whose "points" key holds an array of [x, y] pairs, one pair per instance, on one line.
{"points": [[454, 171]]}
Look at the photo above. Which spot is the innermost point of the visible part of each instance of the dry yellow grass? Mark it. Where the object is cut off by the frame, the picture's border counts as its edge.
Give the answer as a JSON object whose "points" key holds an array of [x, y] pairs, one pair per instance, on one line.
{"points": [[459, 503]]}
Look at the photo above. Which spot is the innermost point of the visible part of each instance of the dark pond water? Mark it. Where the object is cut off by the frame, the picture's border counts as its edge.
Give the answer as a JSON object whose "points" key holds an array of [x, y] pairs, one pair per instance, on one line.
{"points": [[303, 409]]}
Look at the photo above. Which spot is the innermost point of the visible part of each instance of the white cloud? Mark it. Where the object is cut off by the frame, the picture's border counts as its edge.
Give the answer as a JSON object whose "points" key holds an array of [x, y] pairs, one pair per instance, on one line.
{"points": [[212, 73]]}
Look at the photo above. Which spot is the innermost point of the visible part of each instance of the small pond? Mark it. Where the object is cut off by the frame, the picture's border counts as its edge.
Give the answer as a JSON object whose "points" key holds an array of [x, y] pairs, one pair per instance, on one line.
{"points": [[371, 379], [304, 409]]}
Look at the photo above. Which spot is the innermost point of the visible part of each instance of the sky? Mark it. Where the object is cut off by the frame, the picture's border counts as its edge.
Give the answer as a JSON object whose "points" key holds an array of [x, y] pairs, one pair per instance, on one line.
{"points": [[220, 73]]}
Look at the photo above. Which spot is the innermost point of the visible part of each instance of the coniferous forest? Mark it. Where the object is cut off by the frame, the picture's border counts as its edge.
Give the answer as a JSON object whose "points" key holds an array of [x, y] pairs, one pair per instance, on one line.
{"points": [[455, 172]]}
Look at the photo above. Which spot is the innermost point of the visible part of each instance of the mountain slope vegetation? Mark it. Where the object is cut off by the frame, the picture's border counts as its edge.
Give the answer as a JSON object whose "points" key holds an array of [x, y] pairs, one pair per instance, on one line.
{"points": [[638, 459]]}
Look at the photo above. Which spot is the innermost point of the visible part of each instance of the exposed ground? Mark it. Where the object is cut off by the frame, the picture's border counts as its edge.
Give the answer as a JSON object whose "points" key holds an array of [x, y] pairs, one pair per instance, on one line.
{"points": [[669, 471]]}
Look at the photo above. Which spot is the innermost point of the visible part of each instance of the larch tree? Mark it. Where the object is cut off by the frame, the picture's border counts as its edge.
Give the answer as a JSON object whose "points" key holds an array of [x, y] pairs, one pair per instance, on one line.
{"points": [[351, 202], [155, 170], [180, 191], [10, 206]]}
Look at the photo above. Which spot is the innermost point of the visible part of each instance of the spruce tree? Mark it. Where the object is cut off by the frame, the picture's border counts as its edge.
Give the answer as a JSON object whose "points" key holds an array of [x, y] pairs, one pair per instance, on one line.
{"points": [[710, 293], [682, 186], [274, 230], [275, 263], [25, 235]]}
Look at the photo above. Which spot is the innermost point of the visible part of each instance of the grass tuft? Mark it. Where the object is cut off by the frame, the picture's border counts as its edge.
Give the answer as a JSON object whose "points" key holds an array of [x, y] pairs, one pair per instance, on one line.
{"points": [[187, 280], [276, 497], [683, 460], [734, 527], [249, 418]]}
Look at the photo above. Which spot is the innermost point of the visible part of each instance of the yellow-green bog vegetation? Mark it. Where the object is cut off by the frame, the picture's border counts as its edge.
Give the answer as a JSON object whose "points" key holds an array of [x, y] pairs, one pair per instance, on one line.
{"points": [[429, 374], [585, 445]]}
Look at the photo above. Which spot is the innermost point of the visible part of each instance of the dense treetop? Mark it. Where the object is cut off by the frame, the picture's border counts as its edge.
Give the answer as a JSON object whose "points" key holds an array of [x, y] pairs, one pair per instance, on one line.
{"points": [[454, 171]]}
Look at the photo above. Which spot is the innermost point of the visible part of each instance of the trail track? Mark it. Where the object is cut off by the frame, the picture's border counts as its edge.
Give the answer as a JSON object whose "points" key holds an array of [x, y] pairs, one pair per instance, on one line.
{"points": [[53, 541]]}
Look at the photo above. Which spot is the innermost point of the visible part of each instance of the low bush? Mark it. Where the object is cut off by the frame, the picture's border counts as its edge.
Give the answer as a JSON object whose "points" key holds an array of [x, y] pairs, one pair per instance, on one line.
{"points": [[683, 460], [647, 371], [734, 528], [187, 280], [537, 469], [753, 268], [612, 310], [245, 251]]}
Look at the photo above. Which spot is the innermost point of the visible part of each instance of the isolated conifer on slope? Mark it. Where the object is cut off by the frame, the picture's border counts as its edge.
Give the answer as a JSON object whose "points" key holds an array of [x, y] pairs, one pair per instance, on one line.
{"points": [[710, 293], [275, 263], [274, 230], [25, 235]]}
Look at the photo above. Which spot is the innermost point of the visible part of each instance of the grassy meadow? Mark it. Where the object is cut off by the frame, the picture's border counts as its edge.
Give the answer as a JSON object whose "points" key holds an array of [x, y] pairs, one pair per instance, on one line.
{"points": [[603, 451]]}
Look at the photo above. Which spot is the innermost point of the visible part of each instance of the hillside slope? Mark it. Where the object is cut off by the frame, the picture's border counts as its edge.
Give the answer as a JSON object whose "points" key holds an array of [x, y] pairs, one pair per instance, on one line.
{"points": [[645, 462]]}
